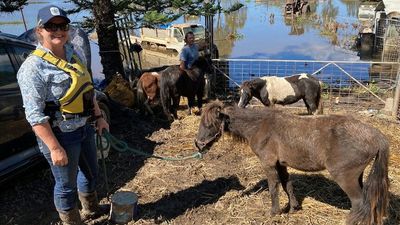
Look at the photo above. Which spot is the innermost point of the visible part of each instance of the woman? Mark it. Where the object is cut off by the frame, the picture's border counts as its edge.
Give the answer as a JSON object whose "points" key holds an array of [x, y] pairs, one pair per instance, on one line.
{"points": [[59, 104]]}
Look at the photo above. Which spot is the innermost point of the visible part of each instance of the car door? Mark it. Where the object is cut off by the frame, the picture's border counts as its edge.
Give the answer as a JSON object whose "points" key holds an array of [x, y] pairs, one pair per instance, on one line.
{"points": [[16, 134]]}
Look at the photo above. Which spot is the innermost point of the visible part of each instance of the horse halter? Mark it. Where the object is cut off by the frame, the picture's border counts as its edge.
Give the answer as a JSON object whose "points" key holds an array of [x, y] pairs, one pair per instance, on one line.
{"points": [[210, 140]]}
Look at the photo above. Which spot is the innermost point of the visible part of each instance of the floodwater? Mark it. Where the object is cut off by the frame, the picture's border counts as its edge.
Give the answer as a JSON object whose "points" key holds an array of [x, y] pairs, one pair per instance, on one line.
{"points": [[257, 31]]}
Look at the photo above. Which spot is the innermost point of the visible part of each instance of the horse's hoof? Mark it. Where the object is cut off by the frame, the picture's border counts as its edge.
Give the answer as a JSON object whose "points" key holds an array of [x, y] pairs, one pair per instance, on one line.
{"points": [[198, 113], [294, 209], [274, 212]]}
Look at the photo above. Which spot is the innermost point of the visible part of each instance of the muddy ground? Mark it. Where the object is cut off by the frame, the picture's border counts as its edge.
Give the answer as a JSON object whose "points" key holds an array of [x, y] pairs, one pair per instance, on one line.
{"points": [[227, 186]]}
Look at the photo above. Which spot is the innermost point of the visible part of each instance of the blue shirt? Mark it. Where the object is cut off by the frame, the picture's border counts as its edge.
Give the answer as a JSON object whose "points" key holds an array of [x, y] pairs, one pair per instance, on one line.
{"points": [[41, 82], [189, 54]]}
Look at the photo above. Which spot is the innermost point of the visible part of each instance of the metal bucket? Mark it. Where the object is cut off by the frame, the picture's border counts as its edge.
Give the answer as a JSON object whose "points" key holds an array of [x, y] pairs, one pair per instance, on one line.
{"points": [[123, 207]]}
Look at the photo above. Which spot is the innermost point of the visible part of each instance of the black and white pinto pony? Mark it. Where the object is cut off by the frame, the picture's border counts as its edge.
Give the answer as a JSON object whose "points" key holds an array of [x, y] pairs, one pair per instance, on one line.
{"points": [[272, 90], [190, 83]]}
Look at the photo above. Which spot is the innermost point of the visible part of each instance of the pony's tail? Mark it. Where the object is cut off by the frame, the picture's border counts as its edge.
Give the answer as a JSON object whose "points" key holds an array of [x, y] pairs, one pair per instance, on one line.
{"points": [[320, 108], [140, 95], [375, 193], [165, 96]]}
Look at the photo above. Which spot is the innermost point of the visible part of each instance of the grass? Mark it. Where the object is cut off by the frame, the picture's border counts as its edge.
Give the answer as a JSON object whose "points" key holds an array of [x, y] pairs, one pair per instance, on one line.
{"points": [[15, 22]]}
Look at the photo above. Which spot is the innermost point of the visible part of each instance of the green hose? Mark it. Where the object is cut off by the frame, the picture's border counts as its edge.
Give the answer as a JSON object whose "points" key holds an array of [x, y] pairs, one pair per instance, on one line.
{"points": [[122, 146]]}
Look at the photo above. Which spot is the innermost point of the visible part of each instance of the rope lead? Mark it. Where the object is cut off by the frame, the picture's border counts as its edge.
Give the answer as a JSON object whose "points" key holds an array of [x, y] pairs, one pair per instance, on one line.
{"points": [[122, 146]]}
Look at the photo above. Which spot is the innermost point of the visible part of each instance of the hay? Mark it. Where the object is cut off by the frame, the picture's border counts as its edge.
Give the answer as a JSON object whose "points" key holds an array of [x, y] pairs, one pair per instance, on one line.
{"points": [[227, 186]]}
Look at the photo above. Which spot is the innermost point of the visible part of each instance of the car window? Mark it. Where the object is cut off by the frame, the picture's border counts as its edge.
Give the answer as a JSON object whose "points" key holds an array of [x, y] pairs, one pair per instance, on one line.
{"points": [[12, 117], [7, 71], [22, 53], [178, 35]]}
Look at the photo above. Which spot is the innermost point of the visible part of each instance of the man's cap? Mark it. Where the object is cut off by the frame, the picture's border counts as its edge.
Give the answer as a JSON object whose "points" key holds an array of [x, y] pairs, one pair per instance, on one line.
{"points": [[49, 12]]}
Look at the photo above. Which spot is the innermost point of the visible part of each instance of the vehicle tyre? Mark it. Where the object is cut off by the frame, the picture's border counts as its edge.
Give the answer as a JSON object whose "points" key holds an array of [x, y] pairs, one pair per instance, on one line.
{"points": [[105, 111]]}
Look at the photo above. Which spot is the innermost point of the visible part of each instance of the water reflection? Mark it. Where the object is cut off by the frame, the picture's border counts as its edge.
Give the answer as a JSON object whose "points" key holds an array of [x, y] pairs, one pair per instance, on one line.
{"points": [[259, 30]]}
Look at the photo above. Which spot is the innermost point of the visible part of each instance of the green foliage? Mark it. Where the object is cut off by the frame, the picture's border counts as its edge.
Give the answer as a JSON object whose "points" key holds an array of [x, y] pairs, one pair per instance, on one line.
{"points": [[372, 87], [235, 36], [145, 12], [16, 22], [154, 18], [12, 5], [150, 13], [325, 95]]}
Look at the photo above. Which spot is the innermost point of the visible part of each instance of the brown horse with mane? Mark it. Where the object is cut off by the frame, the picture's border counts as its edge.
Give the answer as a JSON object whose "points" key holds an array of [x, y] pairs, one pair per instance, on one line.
{"points": [[339, 144]]}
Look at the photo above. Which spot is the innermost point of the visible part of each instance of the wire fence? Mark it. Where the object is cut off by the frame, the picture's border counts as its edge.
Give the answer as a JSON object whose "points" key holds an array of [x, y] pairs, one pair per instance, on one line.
{"points": [[387, 39], [353, 85]]}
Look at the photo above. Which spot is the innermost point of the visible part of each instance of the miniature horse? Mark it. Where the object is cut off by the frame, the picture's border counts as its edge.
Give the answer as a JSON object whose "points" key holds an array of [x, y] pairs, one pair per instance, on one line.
{"points": [[175, 83], [148, 91], [272, 90], [340, 144]]}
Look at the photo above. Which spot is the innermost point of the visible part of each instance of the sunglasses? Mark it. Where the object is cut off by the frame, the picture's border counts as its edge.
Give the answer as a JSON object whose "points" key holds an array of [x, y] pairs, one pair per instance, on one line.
{"points": [[53, 27]]}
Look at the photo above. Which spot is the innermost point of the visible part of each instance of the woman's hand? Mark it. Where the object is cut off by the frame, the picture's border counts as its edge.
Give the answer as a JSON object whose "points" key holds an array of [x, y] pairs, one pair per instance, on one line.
{"points": [[59, 156], [101, 124], [57, 152]]}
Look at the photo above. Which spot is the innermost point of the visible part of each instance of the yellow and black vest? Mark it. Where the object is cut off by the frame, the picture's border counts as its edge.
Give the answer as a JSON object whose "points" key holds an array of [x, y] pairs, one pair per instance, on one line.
{"points": [[78, 100]]}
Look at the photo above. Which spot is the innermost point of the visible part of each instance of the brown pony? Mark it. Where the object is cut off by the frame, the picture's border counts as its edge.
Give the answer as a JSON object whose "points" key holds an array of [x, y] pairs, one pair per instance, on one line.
{"points": [[148, 90], [340, 144]]}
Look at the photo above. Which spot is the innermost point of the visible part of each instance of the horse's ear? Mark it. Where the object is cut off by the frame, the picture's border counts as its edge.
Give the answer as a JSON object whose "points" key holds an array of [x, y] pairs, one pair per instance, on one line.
{"points": [[225, 119]]}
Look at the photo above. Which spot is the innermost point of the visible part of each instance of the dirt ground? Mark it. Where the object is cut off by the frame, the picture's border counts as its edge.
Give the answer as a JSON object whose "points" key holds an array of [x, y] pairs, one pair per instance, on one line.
{"points": [[227, 186]]}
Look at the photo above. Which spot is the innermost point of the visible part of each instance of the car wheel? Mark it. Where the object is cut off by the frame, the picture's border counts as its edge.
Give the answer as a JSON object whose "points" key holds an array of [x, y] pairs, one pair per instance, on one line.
{"points": [[105, 111]]}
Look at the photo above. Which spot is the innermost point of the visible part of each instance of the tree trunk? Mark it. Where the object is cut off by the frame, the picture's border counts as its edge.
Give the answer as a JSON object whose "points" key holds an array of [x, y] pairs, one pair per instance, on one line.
{"points": [[108, 39]]}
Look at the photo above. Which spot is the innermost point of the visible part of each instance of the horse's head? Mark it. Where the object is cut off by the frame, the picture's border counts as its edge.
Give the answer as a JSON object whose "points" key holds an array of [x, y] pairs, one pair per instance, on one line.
{"points": [[212, 124], [246, 94]]}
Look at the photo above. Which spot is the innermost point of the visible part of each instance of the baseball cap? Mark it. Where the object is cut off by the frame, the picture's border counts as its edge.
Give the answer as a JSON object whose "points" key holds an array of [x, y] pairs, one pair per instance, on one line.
{"points": [[49, 12]]}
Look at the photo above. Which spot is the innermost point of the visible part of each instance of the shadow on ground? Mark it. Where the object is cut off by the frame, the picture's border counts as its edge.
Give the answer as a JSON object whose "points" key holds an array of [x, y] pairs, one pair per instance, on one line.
{"points": [[324, 190], [175, 204]]}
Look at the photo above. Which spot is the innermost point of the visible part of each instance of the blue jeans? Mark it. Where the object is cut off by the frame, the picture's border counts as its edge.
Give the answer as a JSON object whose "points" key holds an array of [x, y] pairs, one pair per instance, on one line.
{"points": [[82, 169]]}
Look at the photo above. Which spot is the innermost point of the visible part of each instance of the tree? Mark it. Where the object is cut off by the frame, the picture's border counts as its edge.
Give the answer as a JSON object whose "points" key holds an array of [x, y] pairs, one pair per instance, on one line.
{"points": [[11, 6], [107, 37]]}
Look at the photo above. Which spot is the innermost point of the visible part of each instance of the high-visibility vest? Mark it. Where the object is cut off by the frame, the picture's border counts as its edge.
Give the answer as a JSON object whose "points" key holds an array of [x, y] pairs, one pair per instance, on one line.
{"points": [[79, 97]]}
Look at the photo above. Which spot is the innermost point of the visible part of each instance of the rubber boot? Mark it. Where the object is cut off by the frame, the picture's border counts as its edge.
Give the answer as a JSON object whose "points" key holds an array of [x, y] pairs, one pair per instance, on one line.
{"points": [[90, 206], [71, 217]]}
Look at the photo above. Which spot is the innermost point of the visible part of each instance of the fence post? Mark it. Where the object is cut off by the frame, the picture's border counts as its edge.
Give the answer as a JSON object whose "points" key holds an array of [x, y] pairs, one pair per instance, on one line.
{"points": [[397, 93]]}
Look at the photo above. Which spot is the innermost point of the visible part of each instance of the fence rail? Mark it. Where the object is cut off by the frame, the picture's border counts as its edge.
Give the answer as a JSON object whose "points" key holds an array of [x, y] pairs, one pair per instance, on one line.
{"points": [[356, 85]]}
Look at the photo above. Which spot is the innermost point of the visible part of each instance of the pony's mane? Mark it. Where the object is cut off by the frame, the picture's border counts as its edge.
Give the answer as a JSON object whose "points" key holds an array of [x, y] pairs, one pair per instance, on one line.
{"points": [[210, 115], [254, 84]]}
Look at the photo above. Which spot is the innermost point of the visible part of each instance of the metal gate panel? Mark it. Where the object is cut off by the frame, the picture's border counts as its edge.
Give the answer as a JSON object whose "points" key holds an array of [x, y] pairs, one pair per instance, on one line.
{"points": [[357, 84]]}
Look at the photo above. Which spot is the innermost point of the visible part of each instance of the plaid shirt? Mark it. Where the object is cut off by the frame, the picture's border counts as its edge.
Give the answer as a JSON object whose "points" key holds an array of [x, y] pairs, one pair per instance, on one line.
{"points": [[41, 82]]}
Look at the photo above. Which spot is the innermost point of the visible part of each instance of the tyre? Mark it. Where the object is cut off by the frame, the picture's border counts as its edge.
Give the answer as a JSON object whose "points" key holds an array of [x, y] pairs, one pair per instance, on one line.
{"points": [[105, 111]]}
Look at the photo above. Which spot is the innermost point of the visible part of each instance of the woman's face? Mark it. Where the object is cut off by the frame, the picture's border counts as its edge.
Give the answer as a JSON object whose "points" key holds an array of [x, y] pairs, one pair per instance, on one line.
{"points": [[54, 33]]}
